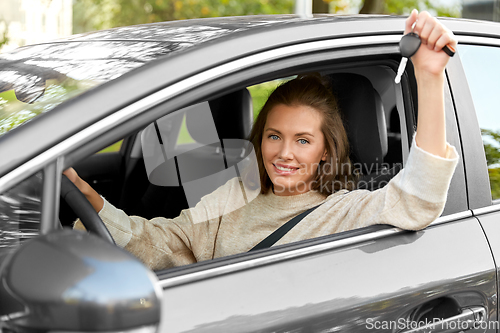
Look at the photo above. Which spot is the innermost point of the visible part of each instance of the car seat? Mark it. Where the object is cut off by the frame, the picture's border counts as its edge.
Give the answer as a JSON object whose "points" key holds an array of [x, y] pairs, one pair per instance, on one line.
{"points": [[365, 123], [210, 158]]}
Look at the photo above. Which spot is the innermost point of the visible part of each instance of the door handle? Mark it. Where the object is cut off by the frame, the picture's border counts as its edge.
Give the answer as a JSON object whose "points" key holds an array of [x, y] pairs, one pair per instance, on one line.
{"points": [[471, 317]]}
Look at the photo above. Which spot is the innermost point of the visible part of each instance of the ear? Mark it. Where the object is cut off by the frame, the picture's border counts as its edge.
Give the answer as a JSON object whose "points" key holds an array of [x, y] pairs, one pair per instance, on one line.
{"points": [[325, 154]]}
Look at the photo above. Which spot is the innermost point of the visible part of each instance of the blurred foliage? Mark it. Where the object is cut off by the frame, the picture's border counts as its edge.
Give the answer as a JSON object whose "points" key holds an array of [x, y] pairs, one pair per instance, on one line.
{"points": [[14, 112], [260, 92], [101, 14], [115, 147], [494, 174], [4, 39], [90, 15], [492, 151], [399, 7], [491, 141]]}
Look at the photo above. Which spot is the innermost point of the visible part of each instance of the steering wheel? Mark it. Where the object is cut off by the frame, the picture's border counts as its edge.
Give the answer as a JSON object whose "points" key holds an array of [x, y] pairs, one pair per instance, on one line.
{"points": [[83, 209]]}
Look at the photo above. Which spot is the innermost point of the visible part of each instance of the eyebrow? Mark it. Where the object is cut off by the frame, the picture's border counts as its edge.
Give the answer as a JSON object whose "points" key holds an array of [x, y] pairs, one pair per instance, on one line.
{"points": [[297, 134]]}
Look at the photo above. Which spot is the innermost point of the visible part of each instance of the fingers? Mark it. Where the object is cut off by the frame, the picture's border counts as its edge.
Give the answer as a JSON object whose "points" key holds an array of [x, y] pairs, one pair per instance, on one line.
{"points": [[422, 24], [410, 20], [443, 40], [431, 32]]}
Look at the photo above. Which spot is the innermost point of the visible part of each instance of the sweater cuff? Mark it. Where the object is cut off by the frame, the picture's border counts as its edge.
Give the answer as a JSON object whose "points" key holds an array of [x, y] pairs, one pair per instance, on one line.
{"points": [[117, 223], [428, 176]]}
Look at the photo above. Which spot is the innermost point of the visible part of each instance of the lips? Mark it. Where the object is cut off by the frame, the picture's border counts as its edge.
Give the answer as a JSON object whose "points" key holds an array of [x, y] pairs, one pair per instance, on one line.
{"points": [[284, 169]]}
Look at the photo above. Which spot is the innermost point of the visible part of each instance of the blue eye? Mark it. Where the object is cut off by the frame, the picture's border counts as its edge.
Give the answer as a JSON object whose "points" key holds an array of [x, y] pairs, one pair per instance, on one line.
{"points": [[303, 141], [274, 137]]}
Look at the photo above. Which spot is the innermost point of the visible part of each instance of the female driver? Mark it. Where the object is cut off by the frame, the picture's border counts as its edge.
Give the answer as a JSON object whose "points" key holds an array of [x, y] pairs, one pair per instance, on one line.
{"points": [[298, 129]]}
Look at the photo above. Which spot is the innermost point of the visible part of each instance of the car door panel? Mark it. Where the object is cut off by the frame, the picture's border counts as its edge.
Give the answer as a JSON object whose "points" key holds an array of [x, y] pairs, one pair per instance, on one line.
{"points": [[343, 289]]}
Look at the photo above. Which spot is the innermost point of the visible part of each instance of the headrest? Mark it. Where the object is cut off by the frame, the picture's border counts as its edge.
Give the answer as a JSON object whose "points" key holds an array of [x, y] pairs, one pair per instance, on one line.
{"points": [[364, 119], [232, 115]]}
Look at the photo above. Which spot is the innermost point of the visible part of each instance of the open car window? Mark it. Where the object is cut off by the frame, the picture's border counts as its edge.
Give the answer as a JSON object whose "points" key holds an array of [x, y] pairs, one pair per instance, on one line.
{"points": [[199, 157]]}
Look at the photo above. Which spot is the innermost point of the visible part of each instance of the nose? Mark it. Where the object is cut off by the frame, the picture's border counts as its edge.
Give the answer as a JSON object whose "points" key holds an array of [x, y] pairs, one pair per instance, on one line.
{"points": [[286, 152]]}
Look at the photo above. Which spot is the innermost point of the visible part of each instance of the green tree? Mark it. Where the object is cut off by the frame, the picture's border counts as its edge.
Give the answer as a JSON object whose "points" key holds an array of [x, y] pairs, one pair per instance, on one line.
{"points": [[4, 38], [91, 15], [100, 14], [492, 152], [399, 7]]}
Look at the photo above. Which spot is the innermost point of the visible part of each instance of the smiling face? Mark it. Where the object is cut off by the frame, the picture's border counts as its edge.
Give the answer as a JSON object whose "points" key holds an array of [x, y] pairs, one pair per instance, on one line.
{"points": [[293, 145]]}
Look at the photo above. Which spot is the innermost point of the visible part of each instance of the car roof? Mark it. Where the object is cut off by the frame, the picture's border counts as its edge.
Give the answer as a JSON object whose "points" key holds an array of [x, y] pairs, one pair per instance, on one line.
{"points": [[202, 43]]}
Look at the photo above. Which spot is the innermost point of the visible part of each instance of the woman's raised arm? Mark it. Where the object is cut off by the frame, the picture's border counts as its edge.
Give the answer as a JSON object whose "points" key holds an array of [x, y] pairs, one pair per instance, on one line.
{"points": [[429, 63]]}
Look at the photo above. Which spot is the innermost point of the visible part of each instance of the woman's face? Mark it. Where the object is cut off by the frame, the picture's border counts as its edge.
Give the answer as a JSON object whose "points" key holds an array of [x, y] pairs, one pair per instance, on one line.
{"points": [[293, 145]]}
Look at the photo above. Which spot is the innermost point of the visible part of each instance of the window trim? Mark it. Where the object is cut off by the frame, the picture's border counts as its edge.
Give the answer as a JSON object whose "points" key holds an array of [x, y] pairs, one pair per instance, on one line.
{"points": [[475, 40]]}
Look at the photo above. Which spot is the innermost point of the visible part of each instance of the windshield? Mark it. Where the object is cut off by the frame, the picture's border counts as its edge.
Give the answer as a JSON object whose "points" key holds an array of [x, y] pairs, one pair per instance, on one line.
{"points": [[35, 79]]}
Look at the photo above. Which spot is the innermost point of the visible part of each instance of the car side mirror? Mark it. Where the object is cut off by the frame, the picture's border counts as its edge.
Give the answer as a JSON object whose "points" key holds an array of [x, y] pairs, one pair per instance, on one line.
{"points": [[70, 281]]}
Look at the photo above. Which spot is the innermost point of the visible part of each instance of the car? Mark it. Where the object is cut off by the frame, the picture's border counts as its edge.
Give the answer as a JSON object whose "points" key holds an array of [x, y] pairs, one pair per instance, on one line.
{"points": [[110, 103]]}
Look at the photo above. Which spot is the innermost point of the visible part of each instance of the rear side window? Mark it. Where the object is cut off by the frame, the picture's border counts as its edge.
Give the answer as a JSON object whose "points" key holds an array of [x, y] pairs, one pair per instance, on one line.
{"points": [[20, 212], [483, 75]]}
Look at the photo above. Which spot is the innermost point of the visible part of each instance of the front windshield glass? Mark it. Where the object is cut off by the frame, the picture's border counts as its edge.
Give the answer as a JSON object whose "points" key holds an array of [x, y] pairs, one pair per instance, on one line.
{"points": [[35, 79]]}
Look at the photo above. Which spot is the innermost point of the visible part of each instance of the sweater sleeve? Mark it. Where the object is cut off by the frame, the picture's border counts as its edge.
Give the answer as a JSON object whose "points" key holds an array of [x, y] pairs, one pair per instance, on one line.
{"points": [[163, 243], [411, 200]]}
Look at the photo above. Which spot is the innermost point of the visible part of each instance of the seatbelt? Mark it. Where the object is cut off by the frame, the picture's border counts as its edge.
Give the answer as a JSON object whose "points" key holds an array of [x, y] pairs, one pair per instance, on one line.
{"points": [[281, 231]]}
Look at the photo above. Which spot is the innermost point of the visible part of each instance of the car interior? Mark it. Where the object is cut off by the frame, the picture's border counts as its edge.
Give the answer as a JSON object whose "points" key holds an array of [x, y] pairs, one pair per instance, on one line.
{"points": [[371, 114]]}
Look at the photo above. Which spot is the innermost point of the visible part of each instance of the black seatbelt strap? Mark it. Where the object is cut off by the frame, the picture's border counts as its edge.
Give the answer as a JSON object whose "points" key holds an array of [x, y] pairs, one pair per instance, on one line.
{"points": [[281, 231]]}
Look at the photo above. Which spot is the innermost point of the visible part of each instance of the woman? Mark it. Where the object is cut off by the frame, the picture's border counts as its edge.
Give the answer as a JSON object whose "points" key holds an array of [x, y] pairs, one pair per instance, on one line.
{"points": [[295, 136]]}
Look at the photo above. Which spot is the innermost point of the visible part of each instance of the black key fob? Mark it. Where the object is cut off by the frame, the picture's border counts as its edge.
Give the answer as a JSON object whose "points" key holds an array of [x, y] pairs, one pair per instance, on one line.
{"points": [[409, 44]]}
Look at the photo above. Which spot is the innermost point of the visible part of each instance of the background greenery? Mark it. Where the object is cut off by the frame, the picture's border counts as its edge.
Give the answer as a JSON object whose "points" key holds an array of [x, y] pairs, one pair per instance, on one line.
{"points": [[89, 15], [491, 141]]}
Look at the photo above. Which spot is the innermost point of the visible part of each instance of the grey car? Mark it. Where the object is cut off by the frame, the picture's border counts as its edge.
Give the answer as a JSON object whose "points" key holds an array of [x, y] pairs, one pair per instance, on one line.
{"points": [[107, 102]]}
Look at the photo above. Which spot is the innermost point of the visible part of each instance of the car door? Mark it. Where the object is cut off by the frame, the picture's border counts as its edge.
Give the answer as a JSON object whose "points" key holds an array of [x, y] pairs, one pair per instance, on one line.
{"points": [[376, 278]]}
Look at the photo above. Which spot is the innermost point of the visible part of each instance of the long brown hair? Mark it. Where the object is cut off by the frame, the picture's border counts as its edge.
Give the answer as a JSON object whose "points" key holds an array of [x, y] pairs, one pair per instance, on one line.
{"points": [[311, 90]]}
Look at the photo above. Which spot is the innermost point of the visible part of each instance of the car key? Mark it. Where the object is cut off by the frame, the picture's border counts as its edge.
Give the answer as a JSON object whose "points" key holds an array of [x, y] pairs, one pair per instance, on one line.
{"points": [[408, 46]]}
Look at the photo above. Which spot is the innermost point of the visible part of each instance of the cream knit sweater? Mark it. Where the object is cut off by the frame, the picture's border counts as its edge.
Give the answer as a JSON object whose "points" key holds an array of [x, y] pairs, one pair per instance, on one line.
{"points": [[216, 227]]}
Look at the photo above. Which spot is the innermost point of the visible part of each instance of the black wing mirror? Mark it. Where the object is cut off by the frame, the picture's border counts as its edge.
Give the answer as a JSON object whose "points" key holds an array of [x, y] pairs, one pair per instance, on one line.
{"points": [[75, 282]]}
